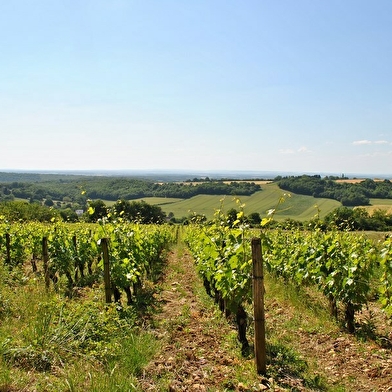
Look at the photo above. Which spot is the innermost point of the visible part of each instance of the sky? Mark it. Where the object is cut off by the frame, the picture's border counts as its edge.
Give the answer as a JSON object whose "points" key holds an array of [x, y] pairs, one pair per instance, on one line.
{"points": [[253, 85]]}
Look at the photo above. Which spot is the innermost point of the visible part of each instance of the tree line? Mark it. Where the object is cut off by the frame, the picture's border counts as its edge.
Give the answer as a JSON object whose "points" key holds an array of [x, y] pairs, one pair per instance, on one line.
{"points": [[135, 211], [80, 189], [349, 194]]}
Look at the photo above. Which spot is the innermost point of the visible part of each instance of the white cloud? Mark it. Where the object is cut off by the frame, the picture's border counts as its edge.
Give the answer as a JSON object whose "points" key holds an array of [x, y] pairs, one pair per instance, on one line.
{"points": [[368, 142], [361, 142]]}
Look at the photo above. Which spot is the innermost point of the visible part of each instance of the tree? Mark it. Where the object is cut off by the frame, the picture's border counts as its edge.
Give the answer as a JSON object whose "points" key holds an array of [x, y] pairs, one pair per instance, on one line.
{"points": [[138, 211], [49, 202], [231, 216], [97, 210], [122, 208], [69, 215], [342, 218], [23, 211], [254, 219]]}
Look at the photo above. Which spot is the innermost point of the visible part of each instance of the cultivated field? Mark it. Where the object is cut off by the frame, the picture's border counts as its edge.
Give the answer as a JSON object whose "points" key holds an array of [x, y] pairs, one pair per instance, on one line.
{"points": [[380, 204], [297, 207]]}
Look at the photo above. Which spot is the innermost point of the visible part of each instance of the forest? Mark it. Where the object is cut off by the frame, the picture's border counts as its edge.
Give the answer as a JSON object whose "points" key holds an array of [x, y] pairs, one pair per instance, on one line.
{"points": [[79, 189], [349, 194]]}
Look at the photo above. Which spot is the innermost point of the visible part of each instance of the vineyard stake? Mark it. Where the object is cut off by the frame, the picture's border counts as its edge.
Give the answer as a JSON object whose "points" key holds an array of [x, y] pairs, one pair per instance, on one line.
{"points": [[45, 258], [106, 270], [8, 248], [258, 303]]}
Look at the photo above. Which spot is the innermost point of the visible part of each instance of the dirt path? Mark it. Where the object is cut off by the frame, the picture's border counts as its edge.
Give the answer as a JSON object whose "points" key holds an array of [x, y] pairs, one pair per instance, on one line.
{"points": [[197, 354]]}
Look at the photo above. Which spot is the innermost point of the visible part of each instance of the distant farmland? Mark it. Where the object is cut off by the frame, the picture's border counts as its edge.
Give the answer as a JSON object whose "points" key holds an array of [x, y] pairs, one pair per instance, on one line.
{"points": [[379, 204], [296, 207]]}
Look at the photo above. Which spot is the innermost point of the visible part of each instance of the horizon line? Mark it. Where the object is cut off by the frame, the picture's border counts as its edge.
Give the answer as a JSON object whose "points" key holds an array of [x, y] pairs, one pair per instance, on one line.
{"points": [[193, 171]]}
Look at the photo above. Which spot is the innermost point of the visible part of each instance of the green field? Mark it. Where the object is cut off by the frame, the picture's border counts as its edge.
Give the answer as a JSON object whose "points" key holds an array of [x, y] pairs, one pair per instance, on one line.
{"points": [[296, 207]]}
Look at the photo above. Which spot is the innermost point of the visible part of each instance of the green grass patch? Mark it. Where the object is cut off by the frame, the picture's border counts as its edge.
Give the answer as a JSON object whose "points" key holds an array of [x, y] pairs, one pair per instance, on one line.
{"points": [[381, 202], [297, 207], [49, 342]]}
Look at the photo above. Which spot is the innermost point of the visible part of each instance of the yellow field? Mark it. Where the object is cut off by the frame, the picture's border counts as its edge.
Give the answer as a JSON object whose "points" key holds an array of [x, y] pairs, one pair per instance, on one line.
{"points": [[379, 204], [357, 180]]}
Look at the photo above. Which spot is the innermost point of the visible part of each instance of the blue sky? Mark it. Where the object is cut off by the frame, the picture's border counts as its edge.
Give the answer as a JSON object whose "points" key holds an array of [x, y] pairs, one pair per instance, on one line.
{"points": [[303, 86]]}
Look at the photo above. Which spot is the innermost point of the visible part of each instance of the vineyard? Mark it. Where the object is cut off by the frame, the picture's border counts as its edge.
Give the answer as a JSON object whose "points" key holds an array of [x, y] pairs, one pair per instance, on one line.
{"points": [[97, 276], [72, 301], [349, 269], [74, 252]]}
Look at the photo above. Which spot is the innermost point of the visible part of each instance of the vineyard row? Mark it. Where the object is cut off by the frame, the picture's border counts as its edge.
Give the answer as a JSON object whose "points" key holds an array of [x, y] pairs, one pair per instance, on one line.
{"points": [[348, 268], [75, 252]]}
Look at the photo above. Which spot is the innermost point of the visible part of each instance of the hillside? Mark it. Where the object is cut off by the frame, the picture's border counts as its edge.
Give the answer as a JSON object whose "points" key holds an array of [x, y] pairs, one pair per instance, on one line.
{"points": [[298, 207], [198, 196]]}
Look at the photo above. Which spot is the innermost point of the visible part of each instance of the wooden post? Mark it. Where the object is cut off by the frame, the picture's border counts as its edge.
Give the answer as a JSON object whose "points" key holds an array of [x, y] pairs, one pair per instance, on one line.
{"points": [[77, 263], [45, 258], [258, 303], [8, 248], [106, 270]]}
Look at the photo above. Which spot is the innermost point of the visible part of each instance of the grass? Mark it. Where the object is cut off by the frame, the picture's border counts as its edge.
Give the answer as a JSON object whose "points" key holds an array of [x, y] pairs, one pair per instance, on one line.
{"points": [[49, 342], [287, 312], [297, 207]]}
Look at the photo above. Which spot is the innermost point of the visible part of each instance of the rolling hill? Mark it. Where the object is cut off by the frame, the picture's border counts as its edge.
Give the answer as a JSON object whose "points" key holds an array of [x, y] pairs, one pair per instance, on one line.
{"points": [[296, 207]]}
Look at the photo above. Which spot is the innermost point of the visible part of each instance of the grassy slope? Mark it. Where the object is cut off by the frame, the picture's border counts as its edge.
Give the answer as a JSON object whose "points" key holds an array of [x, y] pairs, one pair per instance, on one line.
{"points": [[297, 207]]}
